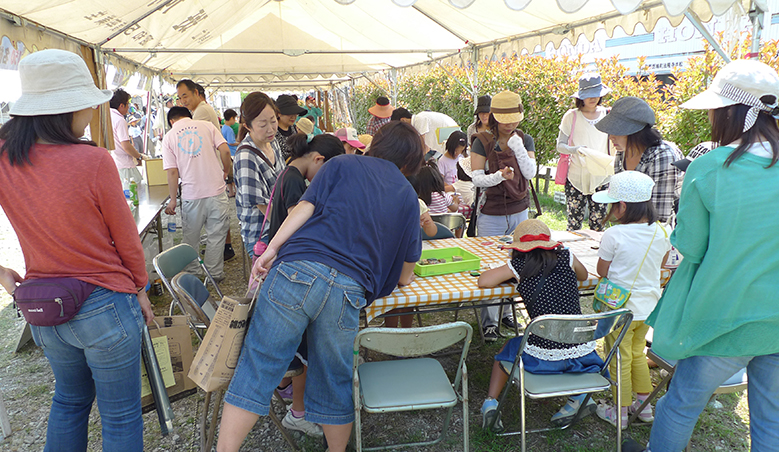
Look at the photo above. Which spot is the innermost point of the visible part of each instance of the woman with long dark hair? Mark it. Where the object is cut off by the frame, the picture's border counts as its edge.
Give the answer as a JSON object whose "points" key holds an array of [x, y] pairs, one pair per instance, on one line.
{"points": [[720, 313], [65, 202]]}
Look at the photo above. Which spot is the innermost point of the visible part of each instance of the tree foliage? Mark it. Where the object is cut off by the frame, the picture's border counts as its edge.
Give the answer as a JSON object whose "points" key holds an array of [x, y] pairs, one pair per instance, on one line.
{"points": [[545, 86]]}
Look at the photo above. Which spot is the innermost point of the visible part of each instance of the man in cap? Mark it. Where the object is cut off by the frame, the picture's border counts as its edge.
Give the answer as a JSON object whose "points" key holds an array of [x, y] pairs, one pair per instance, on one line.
{"points": [[380, 115], [289, 111]]}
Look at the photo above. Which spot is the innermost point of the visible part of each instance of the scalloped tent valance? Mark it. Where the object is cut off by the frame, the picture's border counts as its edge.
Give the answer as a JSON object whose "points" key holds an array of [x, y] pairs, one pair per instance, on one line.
{"points": [[319, 42]]}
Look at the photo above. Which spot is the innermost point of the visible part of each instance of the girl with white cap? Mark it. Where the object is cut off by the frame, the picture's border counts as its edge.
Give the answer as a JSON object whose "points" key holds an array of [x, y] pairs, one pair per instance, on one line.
{"points": [[630, 255], [577, 138], [720, 313], [80, 234]]}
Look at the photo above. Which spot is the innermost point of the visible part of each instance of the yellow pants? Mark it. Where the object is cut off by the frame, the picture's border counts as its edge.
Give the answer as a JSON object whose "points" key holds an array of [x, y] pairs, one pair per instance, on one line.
{"points": [[635, 371]]}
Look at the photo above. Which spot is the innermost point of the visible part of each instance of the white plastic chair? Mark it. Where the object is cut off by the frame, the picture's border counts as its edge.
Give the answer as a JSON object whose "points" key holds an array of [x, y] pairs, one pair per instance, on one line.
{"points": [[410, 384], [566, 329]]}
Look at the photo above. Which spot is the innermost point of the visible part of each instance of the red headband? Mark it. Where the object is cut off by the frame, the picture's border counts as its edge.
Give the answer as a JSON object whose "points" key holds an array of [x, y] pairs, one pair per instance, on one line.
{"points": [[533, 238]]}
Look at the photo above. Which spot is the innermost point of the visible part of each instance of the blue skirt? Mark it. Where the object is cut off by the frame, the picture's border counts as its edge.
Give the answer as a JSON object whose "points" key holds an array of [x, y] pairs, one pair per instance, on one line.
{"points": [[589, 363]]}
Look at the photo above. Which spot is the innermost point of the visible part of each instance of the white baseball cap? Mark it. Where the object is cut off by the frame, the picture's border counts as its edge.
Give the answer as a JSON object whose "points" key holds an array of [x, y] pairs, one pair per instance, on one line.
{"points": [[627, 186]]}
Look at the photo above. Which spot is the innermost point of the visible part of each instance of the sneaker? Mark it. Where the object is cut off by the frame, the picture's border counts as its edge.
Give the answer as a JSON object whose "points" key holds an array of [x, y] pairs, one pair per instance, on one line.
{"points": [[490, 333], [229, 252], [286, 393], [489, 410], [290, 422], [566, 414], [509, 322], [608, 413], [645, 415]]}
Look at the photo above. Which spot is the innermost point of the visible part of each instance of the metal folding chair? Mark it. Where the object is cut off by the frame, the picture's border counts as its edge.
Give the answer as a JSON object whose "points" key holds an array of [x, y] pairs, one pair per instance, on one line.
{"points": [[736, 383], [443, 233], [198, 303], [410, 384], [566, 329], [453, 221], [173, 261]]}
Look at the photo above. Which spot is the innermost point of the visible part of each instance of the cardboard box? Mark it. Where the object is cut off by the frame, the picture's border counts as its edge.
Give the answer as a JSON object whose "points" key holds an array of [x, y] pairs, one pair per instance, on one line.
{"points": [[176, 329], [155, 175]]}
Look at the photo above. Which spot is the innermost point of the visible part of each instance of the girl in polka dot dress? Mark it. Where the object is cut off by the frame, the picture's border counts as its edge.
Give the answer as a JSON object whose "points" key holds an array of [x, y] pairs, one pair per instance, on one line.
{"points": [[535, 258]]}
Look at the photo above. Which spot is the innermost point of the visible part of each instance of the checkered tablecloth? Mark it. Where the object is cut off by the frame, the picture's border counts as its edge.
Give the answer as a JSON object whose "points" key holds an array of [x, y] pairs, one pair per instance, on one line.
{"points": [[458, 287]]}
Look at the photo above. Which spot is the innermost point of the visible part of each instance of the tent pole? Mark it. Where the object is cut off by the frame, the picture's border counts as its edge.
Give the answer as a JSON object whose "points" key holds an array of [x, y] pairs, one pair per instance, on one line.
{"points": [[475, 84], [394, 87], [756, 15], [696, 22], [467, 90]]}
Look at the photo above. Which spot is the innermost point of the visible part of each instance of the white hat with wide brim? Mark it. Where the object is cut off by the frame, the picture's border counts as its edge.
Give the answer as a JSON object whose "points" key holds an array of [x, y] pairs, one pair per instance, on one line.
{"points": [[55, 82]]}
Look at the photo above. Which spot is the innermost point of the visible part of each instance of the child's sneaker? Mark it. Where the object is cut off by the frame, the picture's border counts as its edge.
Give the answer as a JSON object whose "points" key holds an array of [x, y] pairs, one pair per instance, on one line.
{"points": [[300, 424], [645, 415], [568, 411], [489, 410], [608, 413], [286, 393]]}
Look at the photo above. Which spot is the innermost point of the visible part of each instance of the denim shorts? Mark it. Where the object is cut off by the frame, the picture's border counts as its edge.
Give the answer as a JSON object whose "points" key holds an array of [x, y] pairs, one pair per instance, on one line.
{"points": [[298, 296]]}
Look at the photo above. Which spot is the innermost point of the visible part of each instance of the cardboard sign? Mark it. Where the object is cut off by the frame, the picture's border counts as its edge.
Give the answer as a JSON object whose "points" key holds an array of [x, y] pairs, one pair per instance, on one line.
{"points": [[173, 331]]}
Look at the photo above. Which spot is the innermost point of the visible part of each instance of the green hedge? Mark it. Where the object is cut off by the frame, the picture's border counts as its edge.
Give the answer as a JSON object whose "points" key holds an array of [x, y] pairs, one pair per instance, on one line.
{"points": [[545, 86]]}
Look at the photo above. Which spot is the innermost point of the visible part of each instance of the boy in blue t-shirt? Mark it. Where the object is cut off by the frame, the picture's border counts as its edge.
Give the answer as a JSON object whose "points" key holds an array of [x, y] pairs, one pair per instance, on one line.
{"points": [[227, 130]]}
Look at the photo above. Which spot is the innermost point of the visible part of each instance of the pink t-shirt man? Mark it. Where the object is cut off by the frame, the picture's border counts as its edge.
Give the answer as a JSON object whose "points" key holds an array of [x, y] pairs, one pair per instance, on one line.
{"points": [[119, 126], [191, 146]]}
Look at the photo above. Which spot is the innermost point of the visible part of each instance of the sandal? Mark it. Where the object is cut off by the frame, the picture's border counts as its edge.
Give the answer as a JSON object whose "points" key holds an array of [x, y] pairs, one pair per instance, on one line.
{"points": [[566, 414]]}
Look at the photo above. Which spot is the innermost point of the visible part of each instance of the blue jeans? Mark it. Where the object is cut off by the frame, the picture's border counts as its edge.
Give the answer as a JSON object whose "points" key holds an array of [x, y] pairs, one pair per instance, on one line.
{"points": [[98, 352], [298, 296], [488, 226], [696, 378]]}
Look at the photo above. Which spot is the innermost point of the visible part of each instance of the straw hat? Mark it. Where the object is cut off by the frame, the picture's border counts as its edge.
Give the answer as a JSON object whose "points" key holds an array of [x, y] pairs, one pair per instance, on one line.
{"points": [[740, 82], [628, 115], [627, 186], [365, 139], [590, 85], [532, 234], [506, 107], [305, 125], [382, 109], [55, 82]]}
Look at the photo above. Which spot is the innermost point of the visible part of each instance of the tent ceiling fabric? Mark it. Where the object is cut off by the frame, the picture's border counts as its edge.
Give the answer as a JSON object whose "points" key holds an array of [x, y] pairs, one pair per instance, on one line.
{"points": [[321, 41]]}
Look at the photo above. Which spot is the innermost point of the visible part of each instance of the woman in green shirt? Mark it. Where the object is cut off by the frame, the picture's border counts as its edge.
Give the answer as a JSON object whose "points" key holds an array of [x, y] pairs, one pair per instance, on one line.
{"points": [[720, 312]]}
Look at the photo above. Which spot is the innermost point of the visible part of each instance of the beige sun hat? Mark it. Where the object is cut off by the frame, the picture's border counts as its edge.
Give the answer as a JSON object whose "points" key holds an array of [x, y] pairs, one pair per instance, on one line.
{"points": [[506, 107], [740, 82], [532, 234], [55, 82], [305, 125]]}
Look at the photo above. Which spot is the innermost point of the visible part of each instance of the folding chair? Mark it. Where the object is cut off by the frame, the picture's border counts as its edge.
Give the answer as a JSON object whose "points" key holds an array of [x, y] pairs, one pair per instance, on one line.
{"points": [[736, 383], [566, 329], [198, 303], [443, 233], [453, 221], [410, 384], [173, 261]]}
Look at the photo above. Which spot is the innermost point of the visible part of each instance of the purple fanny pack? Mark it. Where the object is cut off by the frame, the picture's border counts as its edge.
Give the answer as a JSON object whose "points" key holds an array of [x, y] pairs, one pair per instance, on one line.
{"points": [[51, 301]]}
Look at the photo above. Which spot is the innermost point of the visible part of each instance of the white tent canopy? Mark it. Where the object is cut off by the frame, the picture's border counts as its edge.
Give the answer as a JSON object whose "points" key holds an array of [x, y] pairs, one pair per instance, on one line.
{"points": [[307, 43]]}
